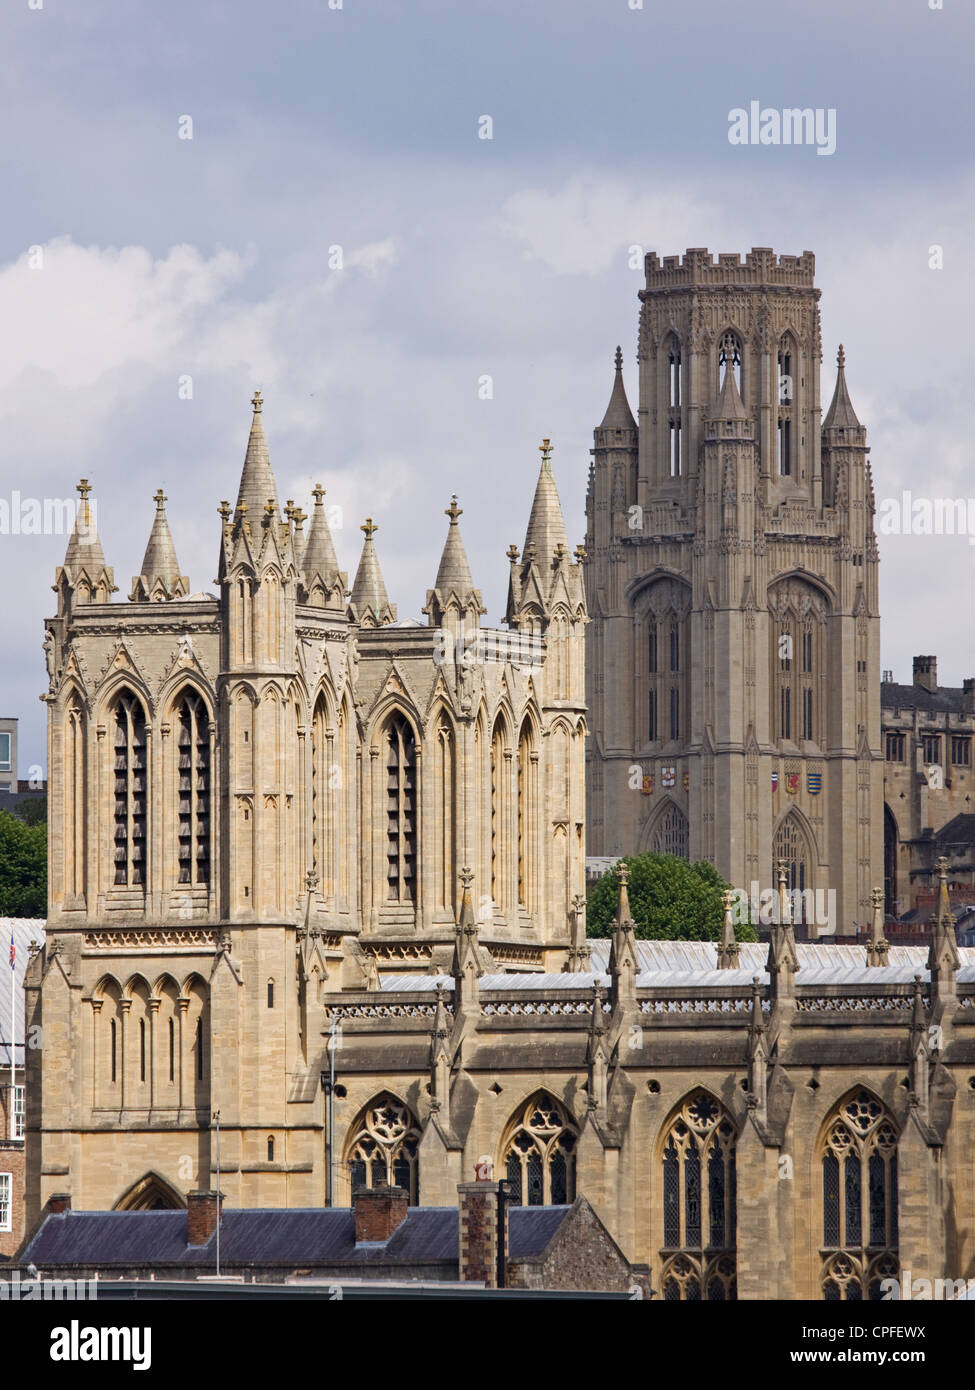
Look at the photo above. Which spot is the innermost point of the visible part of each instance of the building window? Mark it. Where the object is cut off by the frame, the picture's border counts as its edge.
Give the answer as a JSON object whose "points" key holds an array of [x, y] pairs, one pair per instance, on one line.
{"points": [[931, 744], [652, 719], [199, 1049], [675, 713], [785, 713], [383, 1146], [859, 1162], [114, 1051], [5, 753], [789, 849], [667, 663], [670, 833], [270, 1150], [894, 750], [172, 1050], [6, 1202], [270, 994], [807, 713], [400, 810], [961, 750], [674, 405], [130, 792], [699, 1203], [539, 1155], [796, 666], [194, 791], [652, 650], [729, 356], [19, 1113], [142, 1049]]}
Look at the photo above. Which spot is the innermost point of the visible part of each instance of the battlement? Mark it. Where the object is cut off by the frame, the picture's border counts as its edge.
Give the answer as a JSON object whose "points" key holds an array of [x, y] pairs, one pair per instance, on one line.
{"points": [[760, 266]]}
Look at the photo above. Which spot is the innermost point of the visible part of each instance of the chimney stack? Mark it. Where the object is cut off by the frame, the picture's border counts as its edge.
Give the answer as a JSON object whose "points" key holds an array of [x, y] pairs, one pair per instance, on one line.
{"points": [[378, 1211], [483, 1212], [201, 1216], [926, 672]]}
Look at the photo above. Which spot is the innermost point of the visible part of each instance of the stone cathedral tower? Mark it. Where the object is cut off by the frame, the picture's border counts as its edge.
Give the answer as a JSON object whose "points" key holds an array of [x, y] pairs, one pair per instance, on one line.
{"points": [[274, 791], [733, 655]]}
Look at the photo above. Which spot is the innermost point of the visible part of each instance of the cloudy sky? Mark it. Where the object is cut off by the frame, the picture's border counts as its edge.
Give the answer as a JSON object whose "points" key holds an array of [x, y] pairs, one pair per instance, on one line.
{"points": [[316, 127]]}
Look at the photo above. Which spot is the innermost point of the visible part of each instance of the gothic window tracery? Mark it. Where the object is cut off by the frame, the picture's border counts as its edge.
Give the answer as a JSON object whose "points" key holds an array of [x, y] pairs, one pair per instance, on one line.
{"points": [[129, 791], [859, 1166], [383, 1146], [538, 1156], [193, 740], [699, 1203], [668, 668], [799, 616], [670, 834], [674, 417], [785, 394], [730, 356], [400, 811]]}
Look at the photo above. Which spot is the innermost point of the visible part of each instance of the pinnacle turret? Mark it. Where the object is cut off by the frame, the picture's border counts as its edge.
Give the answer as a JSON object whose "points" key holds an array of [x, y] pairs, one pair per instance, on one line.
{"points": [[257, 485], [546, 524], [841, 414], [323, 584], [84, 577], [369, 603], [453, 583], [159, 578], [618, 415]]}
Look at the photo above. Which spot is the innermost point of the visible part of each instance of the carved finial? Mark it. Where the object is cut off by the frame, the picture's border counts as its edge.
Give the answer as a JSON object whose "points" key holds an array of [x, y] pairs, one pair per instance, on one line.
{"points": [[270, 507], [453, 511], [160, 498], [580, 554], [318, 492], [619, 358], [512, 552], [841, 357], [624, 873], [257, 402], [289, 509], [224, 511], [467, 878], [941, 864], [84, 487], [369, 526], [545, 449], [298, 517]]}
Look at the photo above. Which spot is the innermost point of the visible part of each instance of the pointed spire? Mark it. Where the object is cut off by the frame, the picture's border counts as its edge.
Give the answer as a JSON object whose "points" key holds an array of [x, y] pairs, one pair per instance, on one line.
{"points": [[369, 602], [841, 414], [454, 572], [624, 966], [729, 404], [546, 525], [319, 556], [783, 961], [878, 948], [618, 413], [159, 578], [728, 946], [84, 548], [257, 485], [943, 959]]}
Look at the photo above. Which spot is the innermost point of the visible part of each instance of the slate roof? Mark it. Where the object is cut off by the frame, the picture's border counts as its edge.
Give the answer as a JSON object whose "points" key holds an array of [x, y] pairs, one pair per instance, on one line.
{"points": [[945, 699], [269, 1237]]}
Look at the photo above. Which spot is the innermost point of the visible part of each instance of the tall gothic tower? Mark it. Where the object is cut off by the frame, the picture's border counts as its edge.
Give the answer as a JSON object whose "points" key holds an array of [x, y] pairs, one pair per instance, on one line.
{"points": [[733, 655]]}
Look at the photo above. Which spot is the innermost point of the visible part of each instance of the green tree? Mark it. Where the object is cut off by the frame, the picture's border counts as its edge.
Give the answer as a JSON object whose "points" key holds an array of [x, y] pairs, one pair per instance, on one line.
{"points": [[670, 899], [32, 810], [23, 868]]}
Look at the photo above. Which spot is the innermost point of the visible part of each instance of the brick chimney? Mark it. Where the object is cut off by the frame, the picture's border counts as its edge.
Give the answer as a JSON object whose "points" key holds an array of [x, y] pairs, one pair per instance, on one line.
{"points": [[57, 1203], [926, 672], [378, 1211], [201, 1216], [482, 1211]]}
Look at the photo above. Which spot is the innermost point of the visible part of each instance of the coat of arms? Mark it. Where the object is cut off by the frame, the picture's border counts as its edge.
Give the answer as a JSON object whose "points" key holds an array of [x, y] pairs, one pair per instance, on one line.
{"points": [[647, 788], [792, 783], [668, 776]]}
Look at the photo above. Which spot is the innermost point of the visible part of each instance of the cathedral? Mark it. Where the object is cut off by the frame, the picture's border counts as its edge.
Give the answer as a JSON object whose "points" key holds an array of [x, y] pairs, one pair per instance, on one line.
{"points": [[316, 917], [733, 657]]}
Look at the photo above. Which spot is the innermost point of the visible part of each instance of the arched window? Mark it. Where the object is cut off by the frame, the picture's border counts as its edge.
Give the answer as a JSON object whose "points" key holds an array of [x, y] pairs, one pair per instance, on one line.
{"points": [[787, 363], [664, 610], [499, 837], [382, 1147], [538, 1155], [670, 834], [797, 630], [859, 1162], [320, 776], [890, 862], [674, 420], [130, 791], [444, 815], [194, 790], [789, 848], [400, 811], [526, 818], [699, 1192], [730, 356], [270, 1150]]}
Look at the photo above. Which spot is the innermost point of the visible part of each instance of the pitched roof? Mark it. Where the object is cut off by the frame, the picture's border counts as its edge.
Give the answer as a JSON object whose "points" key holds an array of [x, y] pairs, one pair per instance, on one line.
{"points": [[841, 413], [944, 699]]}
